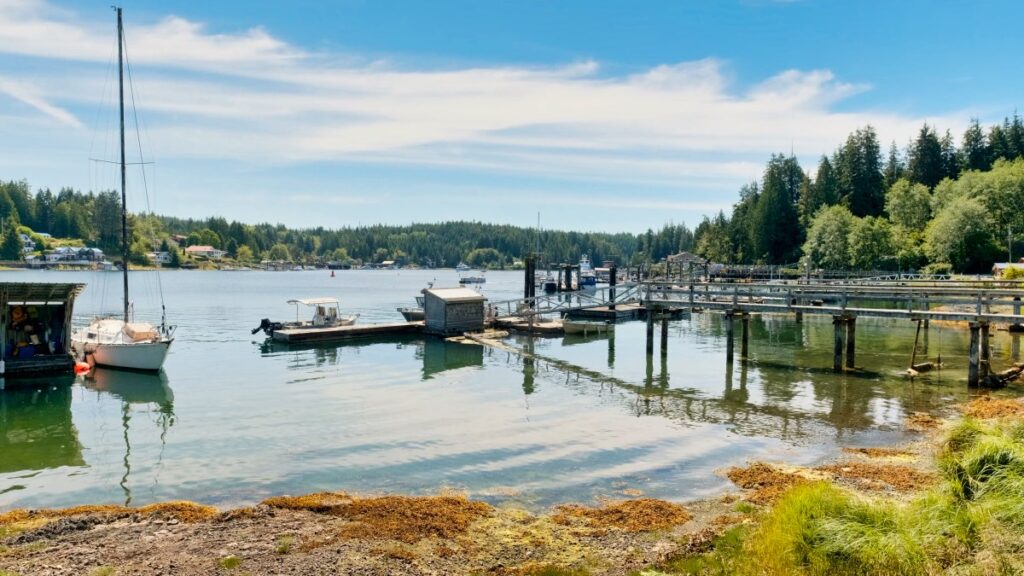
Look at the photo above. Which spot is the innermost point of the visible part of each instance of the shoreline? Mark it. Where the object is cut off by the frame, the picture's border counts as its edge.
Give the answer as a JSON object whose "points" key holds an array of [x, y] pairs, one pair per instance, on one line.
{"points": [[447, 533]]}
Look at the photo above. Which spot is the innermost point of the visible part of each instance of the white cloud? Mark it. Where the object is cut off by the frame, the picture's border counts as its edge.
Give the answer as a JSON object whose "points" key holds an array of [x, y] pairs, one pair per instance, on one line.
{"points": [[250, 97], [29, 95]]}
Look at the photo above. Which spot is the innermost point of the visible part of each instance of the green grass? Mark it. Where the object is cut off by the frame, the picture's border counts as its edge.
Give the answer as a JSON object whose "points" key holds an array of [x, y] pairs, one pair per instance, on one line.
{"points": [[284, 544], [230, 562], [102, 571], [972, 522]]}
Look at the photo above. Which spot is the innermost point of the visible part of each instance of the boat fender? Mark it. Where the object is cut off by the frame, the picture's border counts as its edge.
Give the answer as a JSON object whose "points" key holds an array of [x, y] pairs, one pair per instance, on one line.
{"points": [[82, 368]]}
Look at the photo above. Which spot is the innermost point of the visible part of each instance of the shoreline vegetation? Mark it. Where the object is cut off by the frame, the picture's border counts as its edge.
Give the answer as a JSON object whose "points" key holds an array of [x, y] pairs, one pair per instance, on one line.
{"points": [[950, 502], [936, 205]]}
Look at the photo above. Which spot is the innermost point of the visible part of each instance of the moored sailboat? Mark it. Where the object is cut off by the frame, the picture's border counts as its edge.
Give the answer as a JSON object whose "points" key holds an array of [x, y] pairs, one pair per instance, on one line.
{"points": [[120, 342]]}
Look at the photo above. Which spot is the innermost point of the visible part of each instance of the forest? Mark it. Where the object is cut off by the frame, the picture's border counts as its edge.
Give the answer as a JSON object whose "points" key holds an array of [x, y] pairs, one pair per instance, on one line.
{"points": [[930, 205]]}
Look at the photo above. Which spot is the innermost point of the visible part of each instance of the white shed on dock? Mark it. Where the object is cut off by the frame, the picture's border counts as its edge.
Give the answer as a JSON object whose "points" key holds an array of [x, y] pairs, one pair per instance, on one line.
{"points": [[453, 310]]}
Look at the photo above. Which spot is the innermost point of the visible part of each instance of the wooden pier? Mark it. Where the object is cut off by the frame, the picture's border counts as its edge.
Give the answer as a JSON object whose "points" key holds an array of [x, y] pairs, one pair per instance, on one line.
{"points": [[297, 335], [972, 303]]}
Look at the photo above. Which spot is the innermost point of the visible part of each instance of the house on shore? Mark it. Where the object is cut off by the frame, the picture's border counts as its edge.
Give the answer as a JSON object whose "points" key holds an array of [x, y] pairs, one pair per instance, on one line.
{"points": [[206, 252]]}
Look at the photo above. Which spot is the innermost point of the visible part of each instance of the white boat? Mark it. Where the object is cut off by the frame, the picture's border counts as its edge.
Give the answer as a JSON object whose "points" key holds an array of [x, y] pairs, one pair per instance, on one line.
{"points": [[120, 342], [325, 315], [586, 327], [462, 267], [588, 278]]}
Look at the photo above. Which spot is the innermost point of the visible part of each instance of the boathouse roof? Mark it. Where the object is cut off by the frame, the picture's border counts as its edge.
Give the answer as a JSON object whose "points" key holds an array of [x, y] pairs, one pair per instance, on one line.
{"points": [[40, 291], [456, 294]]}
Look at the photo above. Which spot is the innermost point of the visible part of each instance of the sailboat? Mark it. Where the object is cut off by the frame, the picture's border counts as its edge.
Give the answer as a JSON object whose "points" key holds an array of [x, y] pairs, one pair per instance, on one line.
{"points": [[120, 342]]}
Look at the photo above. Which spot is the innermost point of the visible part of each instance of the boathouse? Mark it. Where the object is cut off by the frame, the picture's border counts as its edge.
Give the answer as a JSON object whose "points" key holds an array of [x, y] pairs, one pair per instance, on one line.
{"points": [[35, 327], [453, 310]]}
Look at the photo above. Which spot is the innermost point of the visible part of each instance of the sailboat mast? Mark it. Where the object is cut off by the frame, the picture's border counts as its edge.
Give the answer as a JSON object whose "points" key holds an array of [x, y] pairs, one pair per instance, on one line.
{"points": [[124, 205]]}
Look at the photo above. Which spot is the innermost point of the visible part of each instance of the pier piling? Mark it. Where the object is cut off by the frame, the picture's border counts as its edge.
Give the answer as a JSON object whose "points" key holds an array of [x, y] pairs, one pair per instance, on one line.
{"points": [[728, 336], [983, 365], [613, 279], [664, 334], [745, 336], [838, 322], [851, 341], [650, 330], [972, 357]]}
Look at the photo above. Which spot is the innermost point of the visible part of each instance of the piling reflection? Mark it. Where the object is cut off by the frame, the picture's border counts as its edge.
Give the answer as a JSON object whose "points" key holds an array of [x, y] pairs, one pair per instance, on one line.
{"points": [[785, 388]]}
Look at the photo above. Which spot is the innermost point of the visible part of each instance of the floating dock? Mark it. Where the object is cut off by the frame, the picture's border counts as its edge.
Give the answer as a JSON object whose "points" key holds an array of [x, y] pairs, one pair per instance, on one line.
{"points": [[296, 335]]}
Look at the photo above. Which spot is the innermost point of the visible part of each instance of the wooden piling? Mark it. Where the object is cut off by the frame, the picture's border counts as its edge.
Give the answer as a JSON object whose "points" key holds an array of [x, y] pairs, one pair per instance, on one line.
{"points": [[838, 323], [650, 330], [851, 341], [745, 336], [972, 356], [983, 365], [613, 280], [664, 334], [728, 336]]}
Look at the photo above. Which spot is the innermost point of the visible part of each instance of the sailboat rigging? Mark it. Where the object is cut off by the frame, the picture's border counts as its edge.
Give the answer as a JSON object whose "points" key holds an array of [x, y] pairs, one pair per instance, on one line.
{"points": [[122, 343]]}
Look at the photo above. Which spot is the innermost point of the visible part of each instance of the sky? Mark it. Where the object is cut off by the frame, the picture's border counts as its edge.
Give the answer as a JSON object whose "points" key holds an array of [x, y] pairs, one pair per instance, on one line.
{"points": [[596, 115]]}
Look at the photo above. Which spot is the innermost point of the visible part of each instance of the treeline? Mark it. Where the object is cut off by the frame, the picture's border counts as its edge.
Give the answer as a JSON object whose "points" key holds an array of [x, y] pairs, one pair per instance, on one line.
{"points": [[931, 204]]}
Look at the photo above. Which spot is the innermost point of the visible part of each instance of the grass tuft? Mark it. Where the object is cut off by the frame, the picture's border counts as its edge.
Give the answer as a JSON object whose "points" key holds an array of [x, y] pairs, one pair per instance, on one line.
{"points": [[229, 562]]}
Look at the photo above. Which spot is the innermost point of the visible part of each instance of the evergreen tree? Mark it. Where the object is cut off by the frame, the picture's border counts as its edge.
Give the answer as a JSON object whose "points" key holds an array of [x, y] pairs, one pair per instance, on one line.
{"points": [[950, 157], [11, 247], [925, 164], [175, 258], [232, 248], [858, 165], [894, 167], [775, 223], [998, 143], [975, 152]]}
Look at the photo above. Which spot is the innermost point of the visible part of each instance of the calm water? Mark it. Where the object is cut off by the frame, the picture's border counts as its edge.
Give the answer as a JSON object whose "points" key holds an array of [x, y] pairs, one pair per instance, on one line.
{"points": [[233, 420]]}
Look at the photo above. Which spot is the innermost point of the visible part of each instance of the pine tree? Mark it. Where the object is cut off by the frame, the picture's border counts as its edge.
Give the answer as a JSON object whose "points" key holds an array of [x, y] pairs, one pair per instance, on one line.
{"points": [[11, 247], [975, 152], [950, 158], [776, 225], [858, 165], [894, 167], [925, 164]]}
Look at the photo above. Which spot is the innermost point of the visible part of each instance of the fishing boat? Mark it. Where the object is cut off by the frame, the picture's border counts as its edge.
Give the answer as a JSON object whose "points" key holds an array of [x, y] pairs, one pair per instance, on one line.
{"points": [[462, 267], [586, 327], [588, 278], [325, 317], [120, 342]]}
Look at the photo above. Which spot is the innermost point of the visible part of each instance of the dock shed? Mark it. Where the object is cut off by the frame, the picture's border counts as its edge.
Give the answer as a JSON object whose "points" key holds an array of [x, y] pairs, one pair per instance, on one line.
{"points": [[35, 327], [453, 310]]}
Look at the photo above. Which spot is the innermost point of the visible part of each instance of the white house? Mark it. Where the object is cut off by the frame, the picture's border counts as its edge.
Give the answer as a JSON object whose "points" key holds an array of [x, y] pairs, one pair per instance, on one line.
{"points": [[27, 244], [159, 257]]}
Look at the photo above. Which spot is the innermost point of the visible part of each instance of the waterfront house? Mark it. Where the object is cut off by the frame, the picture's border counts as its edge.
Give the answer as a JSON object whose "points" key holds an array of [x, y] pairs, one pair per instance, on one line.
{"points": [[28, 245], [71, 254], [205, 251], [160, 258], [35, 327]]}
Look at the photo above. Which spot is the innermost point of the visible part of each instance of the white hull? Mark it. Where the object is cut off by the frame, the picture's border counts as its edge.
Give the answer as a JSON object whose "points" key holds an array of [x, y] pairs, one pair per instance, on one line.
{"points": [[141, 356], [587, 328]]}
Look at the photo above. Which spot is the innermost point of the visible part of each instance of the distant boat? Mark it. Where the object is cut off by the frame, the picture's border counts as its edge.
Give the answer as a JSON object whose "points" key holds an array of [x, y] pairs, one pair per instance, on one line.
{"points": [[473, 279], [325, 315], [588, 278], [462, 267], [119, 342]]}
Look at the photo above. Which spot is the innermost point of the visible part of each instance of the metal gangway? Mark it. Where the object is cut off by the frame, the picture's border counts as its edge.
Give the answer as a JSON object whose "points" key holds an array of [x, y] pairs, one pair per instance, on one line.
{"points": [[561, 303]]}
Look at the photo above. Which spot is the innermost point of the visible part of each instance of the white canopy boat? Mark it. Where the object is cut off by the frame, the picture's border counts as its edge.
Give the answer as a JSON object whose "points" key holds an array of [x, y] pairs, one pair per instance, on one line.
{"points": [[325, 315], [120, 342]]}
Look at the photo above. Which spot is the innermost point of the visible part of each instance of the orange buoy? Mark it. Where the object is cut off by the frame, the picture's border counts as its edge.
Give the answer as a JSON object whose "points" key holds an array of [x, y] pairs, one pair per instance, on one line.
{"points": [[82, 367]]}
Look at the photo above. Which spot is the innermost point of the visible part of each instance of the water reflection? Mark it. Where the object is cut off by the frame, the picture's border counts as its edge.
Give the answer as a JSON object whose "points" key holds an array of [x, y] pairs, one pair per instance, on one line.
{"points": [[36, 428], [441, 355], [135, 388]]}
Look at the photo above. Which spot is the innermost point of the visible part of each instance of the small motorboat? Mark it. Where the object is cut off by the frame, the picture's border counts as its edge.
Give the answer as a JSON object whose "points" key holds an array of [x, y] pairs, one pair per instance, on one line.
{"points": [[325, 315], [414, 314], [587, 327], [473, 279]]}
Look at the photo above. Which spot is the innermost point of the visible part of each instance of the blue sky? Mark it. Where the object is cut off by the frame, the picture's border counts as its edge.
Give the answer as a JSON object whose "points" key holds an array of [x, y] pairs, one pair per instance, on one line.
{"points": [[600, 115]]}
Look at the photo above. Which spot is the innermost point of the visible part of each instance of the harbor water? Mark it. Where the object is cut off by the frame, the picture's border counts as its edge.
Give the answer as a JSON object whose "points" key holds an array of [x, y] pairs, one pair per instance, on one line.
{"points": [[233, 419]]}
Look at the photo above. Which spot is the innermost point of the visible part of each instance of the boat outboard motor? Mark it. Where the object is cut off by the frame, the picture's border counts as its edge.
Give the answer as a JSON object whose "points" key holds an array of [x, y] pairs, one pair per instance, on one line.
{"points": [[267, 326]]}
